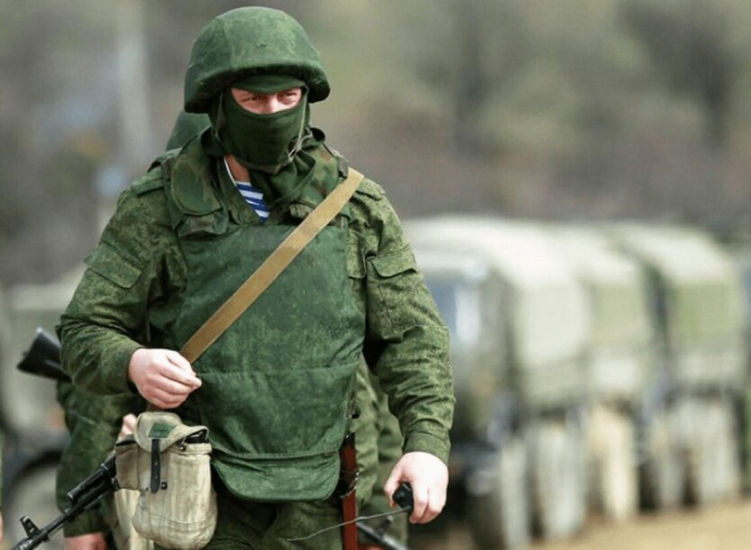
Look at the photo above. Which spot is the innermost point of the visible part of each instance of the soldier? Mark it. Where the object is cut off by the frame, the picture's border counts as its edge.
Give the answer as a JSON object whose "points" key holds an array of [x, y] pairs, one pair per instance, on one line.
{"points": [[93, 422], [274, 389]]}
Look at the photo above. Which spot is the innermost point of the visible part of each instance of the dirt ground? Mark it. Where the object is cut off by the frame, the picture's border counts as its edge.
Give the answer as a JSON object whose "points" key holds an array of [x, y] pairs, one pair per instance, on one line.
{"points": [[726, 527]]}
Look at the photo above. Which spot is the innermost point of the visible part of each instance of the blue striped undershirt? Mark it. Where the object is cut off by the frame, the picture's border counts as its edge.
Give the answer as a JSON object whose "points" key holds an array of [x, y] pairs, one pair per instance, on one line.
{"points": [[252, 195]]}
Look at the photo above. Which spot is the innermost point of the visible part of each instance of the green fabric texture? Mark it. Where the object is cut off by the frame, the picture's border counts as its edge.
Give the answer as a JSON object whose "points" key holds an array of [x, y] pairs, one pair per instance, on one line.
{"points": [[405, 340], [94, 422], [187, 126], [137, 282], [261, 141], [249, 41], [263, 526], [310, 176], [294, 352], [268, 83], [378, 438], [390, 442]]}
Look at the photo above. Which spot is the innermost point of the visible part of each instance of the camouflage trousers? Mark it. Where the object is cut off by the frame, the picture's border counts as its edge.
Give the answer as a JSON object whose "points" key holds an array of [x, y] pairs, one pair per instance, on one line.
{"points": [[260, 526]]}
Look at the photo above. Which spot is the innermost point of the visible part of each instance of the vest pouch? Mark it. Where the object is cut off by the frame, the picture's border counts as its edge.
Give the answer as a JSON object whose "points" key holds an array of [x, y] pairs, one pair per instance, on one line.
{"points": [[126, 463], [168, 463]]}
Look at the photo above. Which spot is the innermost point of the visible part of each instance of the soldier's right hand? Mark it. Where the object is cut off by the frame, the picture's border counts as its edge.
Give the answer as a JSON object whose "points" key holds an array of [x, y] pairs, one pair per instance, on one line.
{"points": [[90, 541], [163, 377]]}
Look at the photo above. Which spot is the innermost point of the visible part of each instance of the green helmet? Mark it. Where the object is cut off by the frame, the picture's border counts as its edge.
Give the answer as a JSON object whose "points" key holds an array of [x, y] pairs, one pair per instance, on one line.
{"points": [[248, 41]]}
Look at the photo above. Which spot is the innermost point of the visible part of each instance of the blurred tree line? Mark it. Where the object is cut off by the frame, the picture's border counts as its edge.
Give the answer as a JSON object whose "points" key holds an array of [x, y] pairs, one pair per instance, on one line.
{"points": [[582, 110]]}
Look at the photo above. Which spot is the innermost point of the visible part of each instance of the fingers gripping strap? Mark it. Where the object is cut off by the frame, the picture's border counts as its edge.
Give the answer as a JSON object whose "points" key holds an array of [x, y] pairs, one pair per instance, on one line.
{"points": [[271, 268]]}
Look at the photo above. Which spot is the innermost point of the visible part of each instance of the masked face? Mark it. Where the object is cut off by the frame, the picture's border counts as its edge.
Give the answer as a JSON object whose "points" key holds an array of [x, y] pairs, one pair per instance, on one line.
{"points": [[267, 103], [262, 126]]}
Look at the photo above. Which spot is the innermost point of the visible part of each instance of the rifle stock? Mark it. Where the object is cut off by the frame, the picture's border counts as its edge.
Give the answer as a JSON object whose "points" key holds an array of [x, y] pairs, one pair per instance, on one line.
{"points": [[43, 357]]}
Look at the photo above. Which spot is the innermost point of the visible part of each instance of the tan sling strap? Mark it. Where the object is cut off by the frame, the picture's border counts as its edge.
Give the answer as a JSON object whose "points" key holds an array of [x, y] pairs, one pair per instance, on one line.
{"points": [[271, 268]]}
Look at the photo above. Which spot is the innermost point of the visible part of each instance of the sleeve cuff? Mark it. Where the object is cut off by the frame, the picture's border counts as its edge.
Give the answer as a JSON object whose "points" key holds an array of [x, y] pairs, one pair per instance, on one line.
{"points": [[90, 521], [122, 361], [428, 443]]}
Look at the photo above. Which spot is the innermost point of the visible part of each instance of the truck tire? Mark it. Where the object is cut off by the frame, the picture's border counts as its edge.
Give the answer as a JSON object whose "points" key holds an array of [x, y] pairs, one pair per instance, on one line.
{"points": [[497, 500], [613, 470], [714, 468], [663, 471], [33, 495], [558, 481]]}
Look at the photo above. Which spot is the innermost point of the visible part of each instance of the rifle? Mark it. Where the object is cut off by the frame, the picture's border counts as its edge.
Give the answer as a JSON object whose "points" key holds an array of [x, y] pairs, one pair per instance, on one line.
{"points": [[43, 359], [82, 497]]}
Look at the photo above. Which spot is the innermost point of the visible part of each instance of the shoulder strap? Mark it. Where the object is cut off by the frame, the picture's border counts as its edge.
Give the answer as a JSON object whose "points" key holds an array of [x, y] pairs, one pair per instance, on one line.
{"points": [[271, 268]]}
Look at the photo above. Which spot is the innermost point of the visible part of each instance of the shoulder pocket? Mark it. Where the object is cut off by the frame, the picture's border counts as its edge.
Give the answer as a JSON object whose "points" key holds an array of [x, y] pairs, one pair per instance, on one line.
{"points": [[393, 263], [113, 266]]}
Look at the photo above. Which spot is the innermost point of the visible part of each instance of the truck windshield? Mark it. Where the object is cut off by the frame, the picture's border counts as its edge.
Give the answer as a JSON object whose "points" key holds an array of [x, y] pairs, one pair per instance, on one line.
{"points": [[460, 306]]}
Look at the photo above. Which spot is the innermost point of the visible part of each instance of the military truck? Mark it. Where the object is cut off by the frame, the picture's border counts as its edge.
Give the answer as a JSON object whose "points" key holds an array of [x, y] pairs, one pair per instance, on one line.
{"points": [[691, 433], [618, 365], [518, 321], [29, 415], [743, 258]]}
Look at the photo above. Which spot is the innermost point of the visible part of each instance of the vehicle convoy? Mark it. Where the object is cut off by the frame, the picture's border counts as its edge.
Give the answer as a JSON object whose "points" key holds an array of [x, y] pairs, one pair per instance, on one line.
{"points": [[615, 350], [33, 423], [690, 424], [617, 365], [519, 323]]}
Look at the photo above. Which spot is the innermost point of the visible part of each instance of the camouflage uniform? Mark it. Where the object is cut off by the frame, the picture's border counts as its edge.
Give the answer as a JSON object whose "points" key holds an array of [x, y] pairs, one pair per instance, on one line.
{"points": [[181, 241]]}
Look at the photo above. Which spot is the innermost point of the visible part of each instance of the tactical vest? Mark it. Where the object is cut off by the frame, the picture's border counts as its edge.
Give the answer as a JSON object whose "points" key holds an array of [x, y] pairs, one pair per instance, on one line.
{"points": [[276, 386]]}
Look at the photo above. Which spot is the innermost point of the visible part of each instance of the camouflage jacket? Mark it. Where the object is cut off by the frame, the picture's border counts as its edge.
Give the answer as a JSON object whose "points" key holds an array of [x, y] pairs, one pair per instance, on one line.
{"points": [[137, 274]]}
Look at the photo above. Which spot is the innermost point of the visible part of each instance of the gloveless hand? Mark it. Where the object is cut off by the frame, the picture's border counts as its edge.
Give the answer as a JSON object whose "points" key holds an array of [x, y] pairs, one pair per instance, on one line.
{"points": [[90, 541], [163, 377], [429, 478]]}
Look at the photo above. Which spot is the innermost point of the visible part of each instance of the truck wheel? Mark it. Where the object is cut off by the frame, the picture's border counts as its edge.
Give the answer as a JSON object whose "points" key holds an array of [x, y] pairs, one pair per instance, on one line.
{"points": [[558, 478], [33, 495], [714, 469], [663, 470], [613, 467], [497, 502], [732, 476]]}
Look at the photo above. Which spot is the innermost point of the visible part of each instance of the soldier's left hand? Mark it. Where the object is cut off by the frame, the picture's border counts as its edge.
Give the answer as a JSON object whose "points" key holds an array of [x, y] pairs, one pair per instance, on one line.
{"points": [[1, 529], [128, 426], [429, 478], [90, 541]]}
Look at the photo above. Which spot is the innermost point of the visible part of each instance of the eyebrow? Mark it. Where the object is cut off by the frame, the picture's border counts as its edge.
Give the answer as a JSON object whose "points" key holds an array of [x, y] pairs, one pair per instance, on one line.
{"points": [[252, 93]]}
